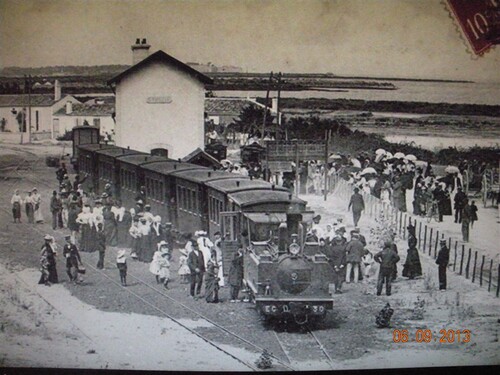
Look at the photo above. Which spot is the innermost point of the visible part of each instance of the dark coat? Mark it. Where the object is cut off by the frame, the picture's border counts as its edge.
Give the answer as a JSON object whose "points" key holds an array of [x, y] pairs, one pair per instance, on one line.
{"points": [[195, 262], [100, 241], [443, 256], [355, 251], [387, 258], [70, 252], [357, 202], [412, 266], [235, 276], [460, 200]]}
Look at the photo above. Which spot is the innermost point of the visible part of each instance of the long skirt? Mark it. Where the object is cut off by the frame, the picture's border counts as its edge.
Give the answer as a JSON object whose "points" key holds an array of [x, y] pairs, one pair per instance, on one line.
{"points": [[146, 251], [85, 241], [16, 210], [211, 289], [53, 278], [38, 215], [110, 233], [30, 213], [123, 237]]}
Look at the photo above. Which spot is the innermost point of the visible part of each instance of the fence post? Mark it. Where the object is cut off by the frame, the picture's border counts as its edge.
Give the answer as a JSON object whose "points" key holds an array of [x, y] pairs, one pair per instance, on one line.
{"points": [[455, 260], [404, 226], [425, 239], [430, 241], [481, 272], [462, 259], [400, 221], [491, 273], [498, 282], [468, 264], [436, 244], [419, 233], [474, 269]]}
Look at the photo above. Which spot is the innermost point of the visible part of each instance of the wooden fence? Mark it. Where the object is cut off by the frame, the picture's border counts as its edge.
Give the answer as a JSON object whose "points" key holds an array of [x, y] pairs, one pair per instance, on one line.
{"points": [[464, 259]]}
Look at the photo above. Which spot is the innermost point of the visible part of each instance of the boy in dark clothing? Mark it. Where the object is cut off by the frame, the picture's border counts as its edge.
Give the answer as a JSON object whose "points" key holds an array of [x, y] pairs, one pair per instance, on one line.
{"points": [[387, 258]]}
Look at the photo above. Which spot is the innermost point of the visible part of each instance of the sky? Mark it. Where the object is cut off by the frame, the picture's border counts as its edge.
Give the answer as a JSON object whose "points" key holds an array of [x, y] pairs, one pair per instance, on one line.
{"points": [[379, 38]]}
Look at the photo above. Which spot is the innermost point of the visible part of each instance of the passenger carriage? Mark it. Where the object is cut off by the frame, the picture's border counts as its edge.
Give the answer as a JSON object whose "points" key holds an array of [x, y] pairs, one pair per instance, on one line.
{"points": [[161, 188], [108, 168]]}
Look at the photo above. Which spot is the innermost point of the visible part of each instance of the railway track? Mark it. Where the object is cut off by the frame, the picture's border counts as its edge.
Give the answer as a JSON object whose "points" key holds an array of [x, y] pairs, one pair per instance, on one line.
{"points": [[152, 297], [304, 349]]}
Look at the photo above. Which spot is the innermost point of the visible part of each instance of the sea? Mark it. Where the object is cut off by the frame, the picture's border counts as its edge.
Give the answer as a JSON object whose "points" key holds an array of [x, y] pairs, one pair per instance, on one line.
{"points": [[487, 93]]}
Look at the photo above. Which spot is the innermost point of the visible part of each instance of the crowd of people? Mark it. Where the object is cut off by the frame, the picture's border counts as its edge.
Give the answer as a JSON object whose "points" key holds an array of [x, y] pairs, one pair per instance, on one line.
{"points": [[96, 223], [351, 259]]}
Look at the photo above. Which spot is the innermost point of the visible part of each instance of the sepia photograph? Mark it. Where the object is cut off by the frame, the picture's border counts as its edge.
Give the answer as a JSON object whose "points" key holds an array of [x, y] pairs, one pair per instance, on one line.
{"points": [[249, 185]]}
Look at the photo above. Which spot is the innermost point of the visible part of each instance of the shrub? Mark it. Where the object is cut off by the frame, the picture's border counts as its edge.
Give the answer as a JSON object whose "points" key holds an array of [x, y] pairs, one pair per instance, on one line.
{"points": [[67, 136]]}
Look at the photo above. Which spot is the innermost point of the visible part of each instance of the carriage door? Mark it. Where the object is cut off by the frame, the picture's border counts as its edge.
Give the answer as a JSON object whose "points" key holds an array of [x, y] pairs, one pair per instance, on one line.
{"points": [[229, 244]]}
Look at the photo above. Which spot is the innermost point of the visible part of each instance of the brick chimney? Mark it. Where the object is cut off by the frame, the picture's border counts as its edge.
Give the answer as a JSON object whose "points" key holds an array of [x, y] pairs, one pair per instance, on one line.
{"points": [[69, 108], [57, 90], [140, 50]]}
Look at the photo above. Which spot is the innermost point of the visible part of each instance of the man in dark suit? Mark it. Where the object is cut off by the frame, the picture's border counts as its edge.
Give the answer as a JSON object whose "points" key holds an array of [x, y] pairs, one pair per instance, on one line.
{"points": [[196, 264]]}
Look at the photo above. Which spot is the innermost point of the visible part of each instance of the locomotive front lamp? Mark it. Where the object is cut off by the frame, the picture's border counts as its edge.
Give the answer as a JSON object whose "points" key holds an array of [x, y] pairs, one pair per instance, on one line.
{"points": [[294, 248]]}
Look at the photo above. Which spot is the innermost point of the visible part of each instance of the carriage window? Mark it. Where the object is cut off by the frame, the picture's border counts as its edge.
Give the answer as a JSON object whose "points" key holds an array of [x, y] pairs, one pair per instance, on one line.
{"points": [[194, 201]]}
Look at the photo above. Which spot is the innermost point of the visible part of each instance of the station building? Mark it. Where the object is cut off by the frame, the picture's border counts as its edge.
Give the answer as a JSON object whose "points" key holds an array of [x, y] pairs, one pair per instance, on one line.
{"points": [[160, 103]]}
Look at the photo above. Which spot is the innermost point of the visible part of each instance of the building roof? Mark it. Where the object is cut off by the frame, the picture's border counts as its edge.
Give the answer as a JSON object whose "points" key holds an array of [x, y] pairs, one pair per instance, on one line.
{"points": [[88, 110], [226, 106], [165, 58], [37, 100], [198, 156]]}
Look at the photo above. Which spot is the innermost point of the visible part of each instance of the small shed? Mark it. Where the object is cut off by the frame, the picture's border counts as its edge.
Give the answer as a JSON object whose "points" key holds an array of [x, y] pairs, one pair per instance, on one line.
{"points": [[202, 158]]}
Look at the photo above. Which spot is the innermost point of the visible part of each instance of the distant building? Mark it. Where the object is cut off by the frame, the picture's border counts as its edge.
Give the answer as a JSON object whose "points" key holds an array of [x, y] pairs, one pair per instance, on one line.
{"points": [[230, 69], [160, 104], [203, 68], [224, 110], [97, 112], [43, 107]]}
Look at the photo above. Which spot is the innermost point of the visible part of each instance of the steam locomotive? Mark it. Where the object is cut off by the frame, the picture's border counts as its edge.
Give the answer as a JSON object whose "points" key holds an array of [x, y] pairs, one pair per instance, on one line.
{"points": [[286, 278]]}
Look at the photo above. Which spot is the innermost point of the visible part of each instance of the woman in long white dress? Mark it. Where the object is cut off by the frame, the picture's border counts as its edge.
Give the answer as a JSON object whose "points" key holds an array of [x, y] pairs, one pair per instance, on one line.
{"points": [[37, 202]]}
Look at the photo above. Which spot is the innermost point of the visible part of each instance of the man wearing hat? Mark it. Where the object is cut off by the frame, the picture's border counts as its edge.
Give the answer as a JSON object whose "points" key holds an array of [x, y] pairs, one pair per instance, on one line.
{"points": [[459, 201], [70, 252], [358, 205], [387, 258], [442, 262], [354, 254], [337, 259], [196, 264]]}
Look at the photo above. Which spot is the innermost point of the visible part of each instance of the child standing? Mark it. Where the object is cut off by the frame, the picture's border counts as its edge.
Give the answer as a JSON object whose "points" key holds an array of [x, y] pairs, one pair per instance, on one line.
{"points": [[164, 267], [184, 271], [121, 263]]}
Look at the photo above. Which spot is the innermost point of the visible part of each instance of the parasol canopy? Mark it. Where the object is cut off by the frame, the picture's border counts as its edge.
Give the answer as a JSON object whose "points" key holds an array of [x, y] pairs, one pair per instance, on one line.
{"points": [[451, 169], [399, 155], [410, 157], [356, 162], [380, 151], [334, 157], [226, 162], [420, 163], [368, 170]]}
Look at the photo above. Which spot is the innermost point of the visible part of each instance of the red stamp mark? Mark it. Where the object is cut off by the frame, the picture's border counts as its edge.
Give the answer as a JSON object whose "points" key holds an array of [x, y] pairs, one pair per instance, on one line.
{"points": [[478, 20]]}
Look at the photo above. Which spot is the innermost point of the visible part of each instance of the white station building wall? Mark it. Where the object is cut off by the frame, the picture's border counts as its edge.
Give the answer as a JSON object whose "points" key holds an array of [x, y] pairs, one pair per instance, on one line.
{"points": [[160, 106]]}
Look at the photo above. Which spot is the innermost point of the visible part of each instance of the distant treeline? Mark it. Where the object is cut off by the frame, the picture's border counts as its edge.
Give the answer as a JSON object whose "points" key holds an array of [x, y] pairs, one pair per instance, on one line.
{"points": [[389, 106], [63, 71]]}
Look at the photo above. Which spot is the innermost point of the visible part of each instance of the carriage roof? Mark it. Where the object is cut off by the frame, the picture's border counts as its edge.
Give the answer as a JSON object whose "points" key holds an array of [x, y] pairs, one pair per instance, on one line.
{"points": [[139, 159], [117, 151], [252, 197], [206, 175], [241, 184], [169, 165], [95, 146]]}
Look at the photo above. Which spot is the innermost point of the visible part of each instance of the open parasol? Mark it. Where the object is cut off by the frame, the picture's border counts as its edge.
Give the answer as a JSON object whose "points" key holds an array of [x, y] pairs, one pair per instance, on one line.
{"points": [[451, 169], [380, 151], [411, 157], [399, 155], [368, 170]]}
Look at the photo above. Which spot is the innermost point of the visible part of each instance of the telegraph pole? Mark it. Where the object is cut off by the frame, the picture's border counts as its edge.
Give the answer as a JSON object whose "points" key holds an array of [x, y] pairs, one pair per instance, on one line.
{"points": [[29, 108], [265, 108]]}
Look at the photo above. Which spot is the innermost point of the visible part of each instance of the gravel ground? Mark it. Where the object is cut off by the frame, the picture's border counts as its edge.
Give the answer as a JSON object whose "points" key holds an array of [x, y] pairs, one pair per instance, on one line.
{"points": [[348, 333]]}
